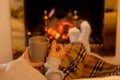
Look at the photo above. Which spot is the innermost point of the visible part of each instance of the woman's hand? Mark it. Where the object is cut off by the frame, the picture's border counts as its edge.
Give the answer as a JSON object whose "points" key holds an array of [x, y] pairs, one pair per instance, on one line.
{"points": [[57, 50], [34, 64]]}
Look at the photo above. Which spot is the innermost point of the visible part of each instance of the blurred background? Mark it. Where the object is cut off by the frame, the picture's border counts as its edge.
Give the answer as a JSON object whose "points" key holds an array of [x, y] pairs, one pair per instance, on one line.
{"points": [[27, 17]]}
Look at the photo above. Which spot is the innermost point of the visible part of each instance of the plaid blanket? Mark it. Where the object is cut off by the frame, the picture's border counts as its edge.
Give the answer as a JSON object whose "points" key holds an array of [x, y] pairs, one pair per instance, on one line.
{"points": [[78, 64]]}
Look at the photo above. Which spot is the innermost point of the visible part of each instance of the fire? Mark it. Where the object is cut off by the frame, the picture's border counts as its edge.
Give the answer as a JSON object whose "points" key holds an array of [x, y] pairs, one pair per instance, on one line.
{"points": [[59, 30]]}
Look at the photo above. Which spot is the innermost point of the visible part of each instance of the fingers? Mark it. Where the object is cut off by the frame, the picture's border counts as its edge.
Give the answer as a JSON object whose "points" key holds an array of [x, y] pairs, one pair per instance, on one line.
{"points": [[61, 48], [26, 51], [53, 46], [25, 54], [56, 47]]}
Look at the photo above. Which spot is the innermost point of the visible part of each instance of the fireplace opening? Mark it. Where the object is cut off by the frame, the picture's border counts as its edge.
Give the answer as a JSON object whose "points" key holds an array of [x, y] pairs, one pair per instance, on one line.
{"points": [[92, 11], [59, 32]]}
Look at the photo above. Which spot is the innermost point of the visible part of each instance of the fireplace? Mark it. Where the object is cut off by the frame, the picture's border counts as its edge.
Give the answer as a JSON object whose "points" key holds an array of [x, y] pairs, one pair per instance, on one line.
{"points": [[92, 11], [57, 28]]}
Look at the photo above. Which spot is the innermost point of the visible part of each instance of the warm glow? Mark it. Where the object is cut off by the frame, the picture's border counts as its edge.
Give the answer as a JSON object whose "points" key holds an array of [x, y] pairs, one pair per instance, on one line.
{"points": [[59, 30]]}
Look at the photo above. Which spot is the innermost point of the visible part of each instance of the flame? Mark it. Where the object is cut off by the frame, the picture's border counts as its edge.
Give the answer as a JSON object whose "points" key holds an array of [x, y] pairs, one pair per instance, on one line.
{"points": [[58, 30]]}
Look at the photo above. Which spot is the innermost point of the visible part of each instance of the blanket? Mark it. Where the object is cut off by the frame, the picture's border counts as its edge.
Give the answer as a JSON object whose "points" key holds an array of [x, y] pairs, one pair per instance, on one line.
{"points": [[78, 64], [101, 78]]}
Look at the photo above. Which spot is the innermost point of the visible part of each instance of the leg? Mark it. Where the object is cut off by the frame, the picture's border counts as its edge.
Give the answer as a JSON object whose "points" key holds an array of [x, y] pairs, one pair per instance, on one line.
{"points": [[78, 64], [84, 36]]}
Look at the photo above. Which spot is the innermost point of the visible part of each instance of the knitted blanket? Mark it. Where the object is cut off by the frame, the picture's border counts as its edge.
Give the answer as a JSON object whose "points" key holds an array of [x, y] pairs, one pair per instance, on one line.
{"points": [[78, 64]]}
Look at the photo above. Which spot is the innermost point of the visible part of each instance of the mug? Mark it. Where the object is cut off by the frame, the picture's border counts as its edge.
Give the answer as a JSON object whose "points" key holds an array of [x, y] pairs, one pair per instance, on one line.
{"points": [[38, 48]]}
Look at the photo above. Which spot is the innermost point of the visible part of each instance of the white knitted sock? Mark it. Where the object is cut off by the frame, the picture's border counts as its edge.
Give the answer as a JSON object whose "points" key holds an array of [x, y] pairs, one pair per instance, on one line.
{"points": [[73, 34], [85, 30]]}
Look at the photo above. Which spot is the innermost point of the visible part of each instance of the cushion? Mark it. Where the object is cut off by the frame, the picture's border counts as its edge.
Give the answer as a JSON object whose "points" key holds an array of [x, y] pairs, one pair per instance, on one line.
{"points": [[19, 69]]}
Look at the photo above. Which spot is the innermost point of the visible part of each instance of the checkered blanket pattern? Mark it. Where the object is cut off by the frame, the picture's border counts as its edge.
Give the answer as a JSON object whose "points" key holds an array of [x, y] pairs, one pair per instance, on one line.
{"points": [[78, 64]]}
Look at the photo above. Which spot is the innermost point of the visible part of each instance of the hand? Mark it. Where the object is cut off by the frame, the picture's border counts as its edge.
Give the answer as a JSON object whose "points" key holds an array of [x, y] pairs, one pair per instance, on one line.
{"points": [[57, 50], [34, 64]]}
